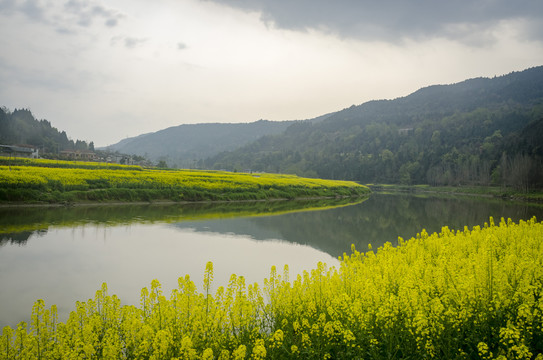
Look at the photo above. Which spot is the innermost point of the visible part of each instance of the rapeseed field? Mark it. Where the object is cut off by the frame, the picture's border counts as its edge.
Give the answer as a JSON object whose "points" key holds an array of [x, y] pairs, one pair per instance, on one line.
{"points": [[468, 294], [51, 181]]}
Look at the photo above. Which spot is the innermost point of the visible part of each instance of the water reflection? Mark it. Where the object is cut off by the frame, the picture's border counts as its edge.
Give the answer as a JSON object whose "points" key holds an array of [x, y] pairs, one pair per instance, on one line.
{"points": [[64, 254], [19, 223], [69, 264], [382, 218], [374, 220]]}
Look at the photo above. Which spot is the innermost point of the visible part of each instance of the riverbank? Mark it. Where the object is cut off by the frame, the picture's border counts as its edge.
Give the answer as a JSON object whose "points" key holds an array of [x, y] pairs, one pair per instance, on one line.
{"points": [[482, 191], [58, 182]]}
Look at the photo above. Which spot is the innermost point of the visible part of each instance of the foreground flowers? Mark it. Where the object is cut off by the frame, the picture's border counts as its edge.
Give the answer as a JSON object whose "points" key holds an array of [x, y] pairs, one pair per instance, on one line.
{"points": [[471, 294]]}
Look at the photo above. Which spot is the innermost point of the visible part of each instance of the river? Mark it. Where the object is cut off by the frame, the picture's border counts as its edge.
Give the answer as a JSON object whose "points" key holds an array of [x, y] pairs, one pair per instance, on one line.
{"points": [[63, 255]]}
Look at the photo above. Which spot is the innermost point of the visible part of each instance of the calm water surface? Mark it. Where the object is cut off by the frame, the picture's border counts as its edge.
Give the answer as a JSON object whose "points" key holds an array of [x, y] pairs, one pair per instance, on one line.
{"points": [[64, 255]]}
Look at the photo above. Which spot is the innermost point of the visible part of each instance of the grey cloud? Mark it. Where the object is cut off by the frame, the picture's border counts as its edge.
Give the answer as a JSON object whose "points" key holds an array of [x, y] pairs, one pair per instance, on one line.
{"points": [[112, 22], [127, 41], [80, 12], [100, 10], [534, 29], [34, 9], [181, 46], [88, 11], [131, 42], [7, 5], [64, 31], [395, 20], [75, 6], [111, 17]]}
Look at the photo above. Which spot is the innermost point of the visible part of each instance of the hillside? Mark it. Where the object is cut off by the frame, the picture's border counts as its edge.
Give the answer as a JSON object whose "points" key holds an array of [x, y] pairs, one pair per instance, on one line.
{"points": [[21, 127], [479, 131], [183, 145]]}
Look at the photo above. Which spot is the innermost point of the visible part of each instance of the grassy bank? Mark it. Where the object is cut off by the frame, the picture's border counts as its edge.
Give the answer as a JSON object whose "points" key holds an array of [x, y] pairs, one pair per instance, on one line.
{"points": [[492, 191], [470, 294], [61, 181]]}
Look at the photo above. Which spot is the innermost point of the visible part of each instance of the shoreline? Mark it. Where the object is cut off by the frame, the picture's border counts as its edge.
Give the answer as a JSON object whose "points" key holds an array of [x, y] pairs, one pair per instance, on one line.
{"points": [[483, 192], [165, 202]]}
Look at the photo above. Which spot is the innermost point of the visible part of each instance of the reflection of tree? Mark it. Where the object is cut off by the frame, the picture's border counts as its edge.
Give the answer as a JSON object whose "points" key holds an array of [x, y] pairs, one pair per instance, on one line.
{"points": [[383, 218], [19, 238], [380, 219]]}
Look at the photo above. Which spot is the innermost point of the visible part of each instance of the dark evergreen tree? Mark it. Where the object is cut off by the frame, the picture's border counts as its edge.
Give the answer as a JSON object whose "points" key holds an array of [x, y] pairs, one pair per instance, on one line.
{"points": [[21, 128]]}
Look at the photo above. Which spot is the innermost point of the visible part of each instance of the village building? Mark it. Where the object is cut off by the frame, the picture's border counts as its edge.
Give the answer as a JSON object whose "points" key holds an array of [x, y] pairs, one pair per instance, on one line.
{"points": [[83, 155], [27, 151]]}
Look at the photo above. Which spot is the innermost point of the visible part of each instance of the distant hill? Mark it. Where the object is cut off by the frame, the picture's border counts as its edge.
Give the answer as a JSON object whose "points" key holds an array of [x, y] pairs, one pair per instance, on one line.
{"points": [[479, 131], [20, 127], [185, 145]]}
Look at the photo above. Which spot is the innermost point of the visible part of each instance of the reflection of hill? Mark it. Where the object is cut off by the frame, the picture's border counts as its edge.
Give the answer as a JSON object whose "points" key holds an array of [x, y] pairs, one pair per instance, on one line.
{"points": [[380, 219], [333, 229]]}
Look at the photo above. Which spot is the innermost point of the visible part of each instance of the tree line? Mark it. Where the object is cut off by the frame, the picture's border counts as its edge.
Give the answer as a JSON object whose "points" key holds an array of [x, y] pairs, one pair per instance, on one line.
{"points": [[20, 127], [479, 132]]}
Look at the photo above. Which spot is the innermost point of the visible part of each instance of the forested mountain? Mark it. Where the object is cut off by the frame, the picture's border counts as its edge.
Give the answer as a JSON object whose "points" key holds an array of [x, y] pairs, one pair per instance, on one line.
{"points": [[184, 145], [21, 128], [479, 131]]}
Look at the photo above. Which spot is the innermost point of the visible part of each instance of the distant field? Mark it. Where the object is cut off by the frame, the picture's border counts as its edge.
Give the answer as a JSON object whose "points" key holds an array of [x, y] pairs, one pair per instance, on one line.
{"points": [[26, 180]]}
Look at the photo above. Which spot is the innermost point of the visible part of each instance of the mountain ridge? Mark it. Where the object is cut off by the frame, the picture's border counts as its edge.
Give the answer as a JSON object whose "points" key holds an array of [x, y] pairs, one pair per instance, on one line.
{"points": [[184, 145], [479, 131], [181, 145], [464, 133]]}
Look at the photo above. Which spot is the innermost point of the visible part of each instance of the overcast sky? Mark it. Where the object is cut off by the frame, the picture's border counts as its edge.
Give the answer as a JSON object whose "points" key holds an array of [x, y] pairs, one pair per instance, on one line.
{"points": [[106, 70]]}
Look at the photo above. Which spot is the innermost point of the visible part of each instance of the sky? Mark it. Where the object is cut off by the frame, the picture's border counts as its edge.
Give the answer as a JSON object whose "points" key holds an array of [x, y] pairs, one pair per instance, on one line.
{"points": [[106, 70]]}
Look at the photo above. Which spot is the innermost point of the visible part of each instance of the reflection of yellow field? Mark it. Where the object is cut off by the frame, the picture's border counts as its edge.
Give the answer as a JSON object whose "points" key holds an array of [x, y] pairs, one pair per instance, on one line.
{"points": [[34, 219], [470, 294]]}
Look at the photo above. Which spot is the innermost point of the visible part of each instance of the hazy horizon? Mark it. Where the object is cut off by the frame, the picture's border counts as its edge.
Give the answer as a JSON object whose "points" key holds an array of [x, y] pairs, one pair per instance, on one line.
{"points": [[105, 71]]}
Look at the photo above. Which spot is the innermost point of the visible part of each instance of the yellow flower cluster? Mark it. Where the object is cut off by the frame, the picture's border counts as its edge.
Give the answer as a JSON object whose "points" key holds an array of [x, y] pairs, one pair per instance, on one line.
{"points": [[471, 294], [32, 175], [37, 176], [65, 164]]}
